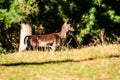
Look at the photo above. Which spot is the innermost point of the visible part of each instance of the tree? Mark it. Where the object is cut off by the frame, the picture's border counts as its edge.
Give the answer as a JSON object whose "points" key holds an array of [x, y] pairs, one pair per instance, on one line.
{"points": [[96, 21], [25, 30], [18, 11]]}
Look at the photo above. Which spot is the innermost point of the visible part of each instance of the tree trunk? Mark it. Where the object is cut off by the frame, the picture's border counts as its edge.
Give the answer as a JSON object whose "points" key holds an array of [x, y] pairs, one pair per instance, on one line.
{"points": [[25, 30]]}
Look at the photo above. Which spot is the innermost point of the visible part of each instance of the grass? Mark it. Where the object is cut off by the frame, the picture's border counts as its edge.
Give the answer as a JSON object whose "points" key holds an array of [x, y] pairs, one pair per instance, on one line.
{"points": [[91, 63]]}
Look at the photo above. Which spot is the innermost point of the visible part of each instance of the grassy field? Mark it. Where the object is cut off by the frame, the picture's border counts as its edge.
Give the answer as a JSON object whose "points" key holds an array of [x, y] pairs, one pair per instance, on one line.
{"points": [[91, 63]]}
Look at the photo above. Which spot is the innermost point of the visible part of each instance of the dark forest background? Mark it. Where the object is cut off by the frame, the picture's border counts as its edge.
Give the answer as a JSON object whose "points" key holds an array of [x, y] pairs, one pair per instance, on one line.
{"points": [[95, 21]]}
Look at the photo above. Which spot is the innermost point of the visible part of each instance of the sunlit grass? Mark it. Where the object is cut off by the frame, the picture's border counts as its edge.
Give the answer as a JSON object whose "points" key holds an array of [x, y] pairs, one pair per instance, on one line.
{"points": [[90, 63]]}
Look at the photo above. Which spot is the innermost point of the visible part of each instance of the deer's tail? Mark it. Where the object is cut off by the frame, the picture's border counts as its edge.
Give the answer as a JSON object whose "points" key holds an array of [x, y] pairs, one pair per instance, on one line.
{"points": [[26, 39]]}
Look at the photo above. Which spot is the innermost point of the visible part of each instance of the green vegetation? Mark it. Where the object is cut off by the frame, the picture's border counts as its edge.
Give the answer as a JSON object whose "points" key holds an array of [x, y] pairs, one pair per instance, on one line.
{"points": [[96, 21], [90, 63], [2, 50]]}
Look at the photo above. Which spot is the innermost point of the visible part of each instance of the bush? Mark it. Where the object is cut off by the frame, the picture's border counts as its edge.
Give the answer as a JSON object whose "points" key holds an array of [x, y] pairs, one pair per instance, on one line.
{"points": [[2, 50]]}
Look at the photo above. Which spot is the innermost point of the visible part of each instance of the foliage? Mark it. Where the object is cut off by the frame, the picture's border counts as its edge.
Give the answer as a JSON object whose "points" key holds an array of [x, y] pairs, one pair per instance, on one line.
{"points": [[17, 11], [12, 12], [95, 21], [2, 50], [90, 20]]}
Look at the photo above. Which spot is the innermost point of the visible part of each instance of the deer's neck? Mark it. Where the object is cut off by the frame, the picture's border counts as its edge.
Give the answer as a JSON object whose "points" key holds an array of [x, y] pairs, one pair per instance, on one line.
{"points": [[63, 33]]}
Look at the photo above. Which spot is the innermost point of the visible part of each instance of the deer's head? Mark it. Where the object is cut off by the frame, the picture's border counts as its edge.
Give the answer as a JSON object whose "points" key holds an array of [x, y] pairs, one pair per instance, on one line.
{"points": [[67, 27]]}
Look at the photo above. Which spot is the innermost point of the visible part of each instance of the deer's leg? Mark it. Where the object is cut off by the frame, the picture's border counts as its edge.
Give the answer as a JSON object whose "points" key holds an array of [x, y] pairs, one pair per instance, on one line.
{"points": [[53, 48], [45, 48], [42, 48], [33, 48]]}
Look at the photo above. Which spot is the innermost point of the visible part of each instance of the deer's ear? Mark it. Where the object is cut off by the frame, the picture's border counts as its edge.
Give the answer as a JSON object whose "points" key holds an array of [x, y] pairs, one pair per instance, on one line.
{"points": [[66, 20]]}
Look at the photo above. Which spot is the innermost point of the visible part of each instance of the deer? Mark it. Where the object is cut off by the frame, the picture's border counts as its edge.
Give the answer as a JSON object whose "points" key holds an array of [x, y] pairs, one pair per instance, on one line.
{"points": [[53, 40]]}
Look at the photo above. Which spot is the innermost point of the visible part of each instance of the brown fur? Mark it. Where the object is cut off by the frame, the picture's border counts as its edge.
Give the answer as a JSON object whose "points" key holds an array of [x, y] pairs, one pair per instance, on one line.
{"points": [[48, 40]]}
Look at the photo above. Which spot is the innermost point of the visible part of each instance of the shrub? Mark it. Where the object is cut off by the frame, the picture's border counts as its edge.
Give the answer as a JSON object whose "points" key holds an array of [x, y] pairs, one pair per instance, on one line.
{"points": [[2, 50]]}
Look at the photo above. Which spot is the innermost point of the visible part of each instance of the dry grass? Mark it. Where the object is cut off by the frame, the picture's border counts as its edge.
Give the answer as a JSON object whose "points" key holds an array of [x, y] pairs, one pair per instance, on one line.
{"points": [[91, 63]]}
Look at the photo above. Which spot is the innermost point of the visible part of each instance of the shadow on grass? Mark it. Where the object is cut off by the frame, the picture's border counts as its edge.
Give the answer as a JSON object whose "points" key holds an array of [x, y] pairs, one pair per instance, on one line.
{"points": [[36, 63], [55, 62]]}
